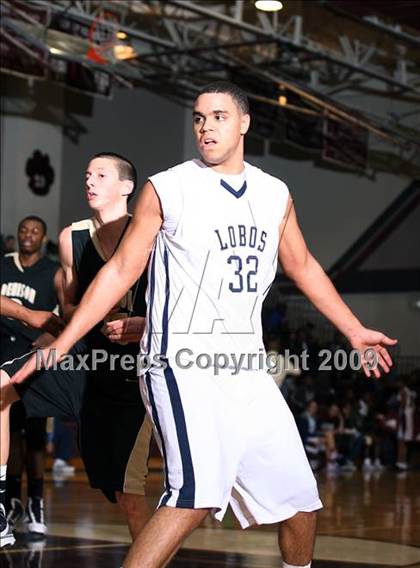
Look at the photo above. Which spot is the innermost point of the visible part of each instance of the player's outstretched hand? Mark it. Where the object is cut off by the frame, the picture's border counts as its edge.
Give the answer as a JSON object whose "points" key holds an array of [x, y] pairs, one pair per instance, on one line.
{"points": [[372, 345], [40, 319], [40, 359]]}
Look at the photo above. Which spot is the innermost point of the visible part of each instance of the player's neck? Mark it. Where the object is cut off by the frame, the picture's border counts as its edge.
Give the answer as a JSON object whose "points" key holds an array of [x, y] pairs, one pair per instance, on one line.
{"points": [[222, 169], [109, 231], [112, 228], [29, 259], [112, 215], [231, 166]]}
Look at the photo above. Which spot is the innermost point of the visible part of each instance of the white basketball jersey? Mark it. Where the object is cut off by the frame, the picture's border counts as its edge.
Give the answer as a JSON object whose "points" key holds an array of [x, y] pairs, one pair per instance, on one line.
{"points": [[213, 262]]}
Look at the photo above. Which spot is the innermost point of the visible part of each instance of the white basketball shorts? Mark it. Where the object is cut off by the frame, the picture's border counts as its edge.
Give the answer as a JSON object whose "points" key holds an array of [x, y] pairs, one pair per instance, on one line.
{"points": [[228, 440]]}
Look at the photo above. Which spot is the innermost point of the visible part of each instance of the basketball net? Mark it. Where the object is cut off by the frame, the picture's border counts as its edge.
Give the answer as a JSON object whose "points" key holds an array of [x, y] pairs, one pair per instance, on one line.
{"points": [[102, 38]]}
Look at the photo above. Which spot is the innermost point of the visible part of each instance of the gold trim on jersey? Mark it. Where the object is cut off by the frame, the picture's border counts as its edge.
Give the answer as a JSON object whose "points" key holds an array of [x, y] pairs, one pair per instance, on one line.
{"points": [[88, 224], [16, 260]]}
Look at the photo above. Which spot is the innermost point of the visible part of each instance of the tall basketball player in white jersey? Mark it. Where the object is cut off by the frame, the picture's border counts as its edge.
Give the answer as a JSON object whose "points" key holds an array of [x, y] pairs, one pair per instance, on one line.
{"points": [[227, 437]]}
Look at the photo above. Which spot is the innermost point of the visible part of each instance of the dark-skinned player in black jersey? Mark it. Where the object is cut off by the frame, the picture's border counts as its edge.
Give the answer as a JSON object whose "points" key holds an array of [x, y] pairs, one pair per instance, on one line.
{"points": [[30, 284]]}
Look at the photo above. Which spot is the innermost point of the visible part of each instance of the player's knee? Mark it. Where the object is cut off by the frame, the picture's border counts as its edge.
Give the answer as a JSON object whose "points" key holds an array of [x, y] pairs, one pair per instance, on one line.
{"points": [[8, 391], [129, 502], [306, 520]]}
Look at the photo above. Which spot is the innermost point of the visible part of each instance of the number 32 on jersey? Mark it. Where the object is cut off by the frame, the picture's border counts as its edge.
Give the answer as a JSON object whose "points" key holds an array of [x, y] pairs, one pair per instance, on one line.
{"points": [[245, 266]]}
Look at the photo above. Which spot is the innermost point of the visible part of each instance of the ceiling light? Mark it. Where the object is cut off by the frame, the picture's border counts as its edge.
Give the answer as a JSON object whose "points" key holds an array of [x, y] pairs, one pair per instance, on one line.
{"points": [[121, 35], [123, 51], [268, 5], [282, 100], [55, 51]]}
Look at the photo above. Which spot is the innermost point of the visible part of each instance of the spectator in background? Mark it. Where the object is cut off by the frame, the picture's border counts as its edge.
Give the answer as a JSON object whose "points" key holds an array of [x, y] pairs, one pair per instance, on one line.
{"points": [[369, 426], [9, 244], [331, 423], [347, 439], [303, 393], [406, 413], [350, 440], [384, 438], [315, 440], [32, 280]]}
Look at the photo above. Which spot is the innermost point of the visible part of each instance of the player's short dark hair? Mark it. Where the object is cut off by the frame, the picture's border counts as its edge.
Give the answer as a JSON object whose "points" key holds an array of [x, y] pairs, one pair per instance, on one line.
{"points": [[34, 218], [126, 168], [226, 87]]}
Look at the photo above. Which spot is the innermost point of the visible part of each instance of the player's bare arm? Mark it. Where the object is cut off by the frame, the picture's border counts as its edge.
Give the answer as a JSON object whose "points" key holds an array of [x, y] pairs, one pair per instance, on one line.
{"points": [[50, 334], [114, 279], [59, 287], [69, 279], [308, 275], [38, 319]]}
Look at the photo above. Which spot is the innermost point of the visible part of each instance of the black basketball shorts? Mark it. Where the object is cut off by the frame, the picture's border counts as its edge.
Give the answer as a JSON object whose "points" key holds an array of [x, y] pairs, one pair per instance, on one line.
{"points": [[114, 436]]}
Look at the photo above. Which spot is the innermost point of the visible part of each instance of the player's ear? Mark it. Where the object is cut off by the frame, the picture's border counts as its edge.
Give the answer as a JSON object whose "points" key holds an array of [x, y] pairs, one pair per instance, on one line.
{"points": [[245, 122], [45, 239], [128, 187]]}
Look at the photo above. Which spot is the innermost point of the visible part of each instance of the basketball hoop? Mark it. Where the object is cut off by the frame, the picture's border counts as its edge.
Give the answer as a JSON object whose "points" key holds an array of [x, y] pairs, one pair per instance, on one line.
{"points": [[102, 38]]}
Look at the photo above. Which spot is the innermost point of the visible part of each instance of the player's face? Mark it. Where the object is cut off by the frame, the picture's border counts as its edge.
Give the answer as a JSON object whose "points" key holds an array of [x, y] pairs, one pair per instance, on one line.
{"points": [[102, 184], [30, 236], [219, 127]]}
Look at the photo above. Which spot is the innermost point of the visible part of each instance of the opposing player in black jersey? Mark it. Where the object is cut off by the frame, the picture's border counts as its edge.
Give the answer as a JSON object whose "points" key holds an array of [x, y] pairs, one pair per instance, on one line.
{"points": [[114, 436], [114, 451], [30, 281]]}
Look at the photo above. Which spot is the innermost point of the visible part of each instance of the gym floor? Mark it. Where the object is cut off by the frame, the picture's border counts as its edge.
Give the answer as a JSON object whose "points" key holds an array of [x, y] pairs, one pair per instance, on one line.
{"points": [[369, 520]]}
